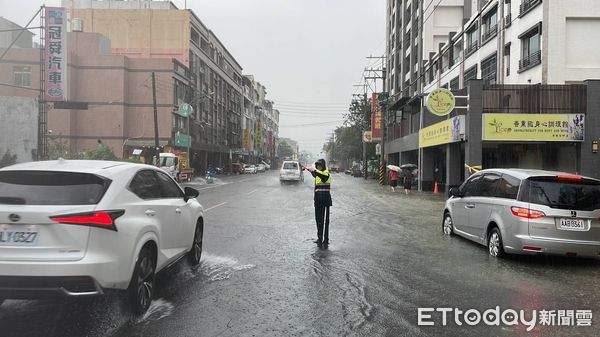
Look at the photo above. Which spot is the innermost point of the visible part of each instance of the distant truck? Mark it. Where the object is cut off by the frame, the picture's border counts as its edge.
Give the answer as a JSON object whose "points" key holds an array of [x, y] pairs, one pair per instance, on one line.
{"points": [[175, 164], [334, 166]]}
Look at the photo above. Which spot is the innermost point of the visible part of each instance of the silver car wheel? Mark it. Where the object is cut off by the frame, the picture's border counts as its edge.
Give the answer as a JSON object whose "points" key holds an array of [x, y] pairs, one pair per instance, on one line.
{"points": [[494, 244], [447, 226]]}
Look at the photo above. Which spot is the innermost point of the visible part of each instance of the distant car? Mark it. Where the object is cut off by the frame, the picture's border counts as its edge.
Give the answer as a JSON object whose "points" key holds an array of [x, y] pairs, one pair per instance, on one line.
{"points": [[260, 168], [527, 212], [348, 172], [291, 171], [251, 169], [237, 168], [267, 166], [357, 171], [75, 228]]}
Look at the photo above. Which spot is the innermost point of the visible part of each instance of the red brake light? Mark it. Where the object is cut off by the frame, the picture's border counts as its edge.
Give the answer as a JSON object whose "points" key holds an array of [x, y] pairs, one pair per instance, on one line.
{"points": [[569, 177], [102, 219], [526, 213]]}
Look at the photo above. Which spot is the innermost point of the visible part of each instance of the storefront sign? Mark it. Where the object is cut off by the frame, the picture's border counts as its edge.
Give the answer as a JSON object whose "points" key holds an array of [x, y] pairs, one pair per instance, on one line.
{"points": [[376, 117], [246, 139], [533, 127], [440, 102], [445, 132], [55, 54]]}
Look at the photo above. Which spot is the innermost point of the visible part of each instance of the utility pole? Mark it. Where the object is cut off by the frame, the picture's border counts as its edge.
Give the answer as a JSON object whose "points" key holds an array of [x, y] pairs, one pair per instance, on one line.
{"points": [[156, 147], [383, 113]]}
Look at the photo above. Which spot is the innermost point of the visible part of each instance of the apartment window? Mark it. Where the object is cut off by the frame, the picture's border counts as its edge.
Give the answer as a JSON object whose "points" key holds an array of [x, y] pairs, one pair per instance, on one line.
{"points": [[470, 74], [531, 54], [472, 40], [507, 10], [507, 59], [457, 51], [455, 83], [490, 25], [446, 61], [488, 70], [22, 76], [527, 6], [194, 37]]}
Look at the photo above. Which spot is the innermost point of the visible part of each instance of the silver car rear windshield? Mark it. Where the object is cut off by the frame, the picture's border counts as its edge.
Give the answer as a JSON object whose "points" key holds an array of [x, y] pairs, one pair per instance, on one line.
{"points": [[583, 195], [290, 166], [51, 188]]}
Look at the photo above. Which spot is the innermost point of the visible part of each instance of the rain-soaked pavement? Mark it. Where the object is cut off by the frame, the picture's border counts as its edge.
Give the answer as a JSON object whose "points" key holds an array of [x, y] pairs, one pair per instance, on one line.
{"points": [[261, 275]]}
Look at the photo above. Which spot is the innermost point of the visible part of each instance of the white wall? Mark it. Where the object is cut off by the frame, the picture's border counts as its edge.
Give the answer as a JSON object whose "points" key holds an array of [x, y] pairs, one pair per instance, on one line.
{"points": [[573, 41], [18, 126], [519, 26]]}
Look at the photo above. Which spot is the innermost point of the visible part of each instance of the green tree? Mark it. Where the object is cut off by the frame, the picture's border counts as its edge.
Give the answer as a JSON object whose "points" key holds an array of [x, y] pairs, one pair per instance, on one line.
{"points": [[102, 152], [359, 114], [8, 159], [285, 149]]}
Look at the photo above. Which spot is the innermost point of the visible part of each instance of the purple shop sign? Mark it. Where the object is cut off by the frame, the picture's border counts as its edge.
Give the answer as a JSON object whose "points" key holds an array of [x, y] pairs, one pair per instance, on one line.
{"points": [[55, 52]]}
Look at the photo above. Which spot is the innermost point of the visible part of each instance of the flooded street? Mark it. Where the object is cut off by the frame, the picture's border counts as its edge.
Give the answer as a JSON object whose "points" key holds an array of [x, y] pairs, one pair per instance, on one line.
{"points": [[261, 274]]}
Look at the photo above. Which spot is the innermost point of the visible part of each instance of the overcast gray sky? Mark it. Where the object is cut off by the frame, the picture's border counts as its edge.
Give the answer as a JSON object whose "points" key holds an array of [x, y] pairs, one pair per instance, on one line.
{"points": [[308, 53]]}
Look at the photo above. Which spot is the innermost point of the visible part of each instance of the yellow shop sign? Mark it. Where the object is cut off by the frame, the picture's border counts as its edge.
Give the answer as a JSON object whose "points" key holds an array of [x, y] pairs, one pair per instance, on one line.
{"points": [[445, 132], [533, 127]]}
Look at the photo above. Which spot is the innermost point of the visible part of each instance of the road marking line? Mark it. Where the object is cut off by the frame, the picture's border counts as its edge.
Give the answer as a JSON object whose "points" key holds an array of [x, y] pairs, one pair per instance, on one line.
{"points": [[251, 192], [207, 188], [215, 206]]}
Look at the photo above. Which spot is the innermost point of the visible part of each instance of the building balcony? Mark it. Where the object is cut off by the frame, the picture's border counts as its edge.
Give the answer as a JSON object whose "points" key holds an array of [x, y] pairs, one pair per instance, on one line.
{"points": [[489, 34], [530, 61], [528, 5], [471, 48]]}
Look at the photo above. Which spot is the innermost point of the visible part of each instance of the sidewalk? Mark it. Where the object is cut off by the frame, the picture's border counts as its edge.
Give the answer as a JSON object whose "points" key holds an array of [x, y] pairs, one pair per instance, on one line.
{"points": [[373, 185]]}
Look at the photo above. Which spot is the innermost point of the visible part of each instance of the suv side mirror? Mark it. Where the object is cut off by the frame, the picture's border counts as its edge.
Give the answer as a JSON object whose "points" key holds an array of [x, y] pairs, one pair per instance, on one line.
{"points": [[190, 193], [454, 193]]}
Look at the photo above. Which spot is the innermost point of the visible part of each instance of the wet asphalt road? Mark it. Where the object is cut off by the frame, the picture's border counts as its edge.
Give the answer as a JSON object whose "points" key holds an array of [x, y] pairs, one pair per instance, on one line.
{"points": [[261, 275]]}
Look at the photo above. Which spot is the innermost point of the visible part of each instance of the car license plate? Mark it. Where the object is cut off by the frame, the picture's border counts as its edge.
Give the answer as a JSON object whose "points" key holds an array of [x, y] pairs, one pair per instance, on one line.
{"points": [[572, 224], [18, 238]]}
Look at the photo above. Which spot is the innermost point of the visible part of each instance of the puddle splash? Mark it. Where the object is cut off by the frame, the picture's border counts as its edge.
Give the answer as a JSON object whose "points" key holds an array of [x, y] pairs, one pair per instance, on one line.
{"points": [[158, 310], [219, 268]]}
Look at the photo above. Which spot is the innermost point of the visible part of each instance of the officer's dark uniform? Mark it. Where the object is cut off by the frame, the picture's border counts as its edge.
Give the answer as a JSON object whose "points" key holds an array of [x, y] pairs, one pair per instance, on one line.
{"points": [[322, 201]]}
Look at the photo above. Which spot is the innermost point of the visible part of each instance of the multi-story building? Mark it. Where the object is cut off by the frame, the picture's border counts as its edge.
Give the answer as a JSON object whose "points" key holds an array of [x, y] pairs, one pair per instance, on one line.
{"points": [[109, 97], [12, 34], [531, 57], [159, 30]]}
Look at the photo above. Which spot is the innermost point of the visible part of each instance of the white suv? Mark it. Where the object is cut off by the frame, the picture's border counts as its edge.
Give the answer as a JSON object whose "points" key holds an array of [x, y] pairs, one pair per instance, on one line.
{"points": [[291, 171], [73, 228]]}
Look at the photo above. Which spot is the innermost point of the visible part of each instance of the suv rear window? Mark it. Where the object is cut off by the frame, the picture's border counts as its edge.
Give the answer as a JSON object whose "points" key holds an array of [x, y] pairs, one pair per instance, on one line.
{"points": [[573, 195], [290, 166], [51, 188]]}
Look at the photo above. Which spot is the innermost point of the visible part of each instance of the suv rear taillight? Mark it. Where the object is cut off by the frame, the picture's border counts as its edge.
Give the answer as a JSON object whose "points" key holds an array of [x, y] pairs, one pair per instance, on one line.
{"points": [[526, 213], [102, 219]]}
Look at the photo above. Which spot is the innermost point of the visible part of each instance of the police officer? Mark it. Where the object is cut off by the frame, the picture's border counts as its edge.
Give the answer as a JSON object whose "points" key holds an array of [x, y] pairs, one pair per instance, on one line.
{"points": [[322, 200]]}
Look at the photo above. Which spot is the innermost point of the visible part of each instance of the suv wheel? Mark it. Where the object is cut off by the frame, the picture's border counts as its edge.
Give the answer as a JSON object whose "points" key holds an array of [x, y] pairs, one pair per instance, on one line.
{"points": [[196, 252], [447, 225], [495, 247], [141, 287]]}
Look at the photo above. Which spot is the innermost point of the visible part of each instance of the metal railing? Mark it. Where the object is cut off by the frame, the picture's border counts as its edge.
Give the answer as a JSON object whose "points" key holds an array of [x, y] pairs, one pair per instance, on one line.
{"points": [[471, 48], [490, 33], [527, 5], [531, 60]]}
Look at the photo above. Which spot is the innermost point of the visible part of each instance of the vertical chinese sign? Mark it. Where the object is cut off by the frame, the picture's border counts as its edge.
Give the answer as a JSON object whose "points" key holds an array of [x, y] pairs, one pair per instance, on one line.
{"points": [[376, 117], [56, 54]]}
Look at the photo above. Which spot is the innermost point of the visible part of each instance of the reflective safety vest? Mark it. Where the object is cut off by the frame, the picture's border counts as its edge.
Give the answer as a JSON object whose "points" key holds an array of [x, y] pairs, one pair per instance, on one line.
{"points": [[320, 185]]}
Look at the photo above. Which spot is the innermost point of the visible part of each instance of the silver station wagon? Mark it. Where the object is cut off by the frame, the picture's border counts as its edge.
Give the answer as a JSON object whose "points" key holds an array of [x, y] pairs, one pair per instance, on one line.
{"points": [[522, 211]]}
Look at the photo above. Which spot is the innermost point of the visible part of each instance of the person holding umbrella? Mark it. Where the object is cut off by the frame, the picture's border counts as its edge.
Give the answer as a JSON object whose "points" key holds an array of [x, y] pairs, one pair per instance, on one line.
{"points": [[407, 174], [393, 172]]}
